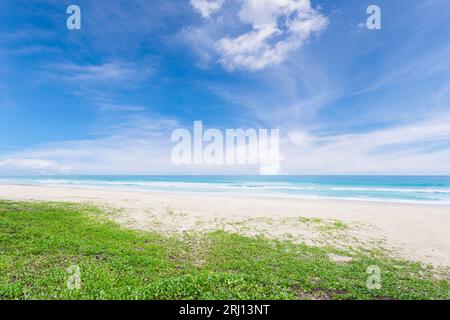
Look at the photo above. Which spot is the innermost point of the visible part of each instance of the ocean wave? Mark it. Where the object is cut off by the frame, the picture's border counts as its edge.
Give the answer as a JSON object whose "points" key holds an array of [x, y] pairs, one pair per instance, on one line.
{"points": [[409, 194], [229, 186]]}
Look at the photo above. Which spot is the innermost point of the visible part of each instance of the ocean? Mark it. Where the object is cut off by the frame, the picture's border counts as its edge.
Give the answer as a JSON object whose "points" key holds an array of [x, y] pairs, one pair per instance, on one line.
{"points": [[404, 189]]}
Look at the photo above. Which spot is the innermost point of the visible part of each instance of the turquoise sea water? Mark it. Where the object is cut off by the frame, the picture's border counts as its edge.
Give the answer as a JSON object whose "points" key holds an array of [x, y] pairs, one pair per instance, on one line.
{"points": [[413, 189]]}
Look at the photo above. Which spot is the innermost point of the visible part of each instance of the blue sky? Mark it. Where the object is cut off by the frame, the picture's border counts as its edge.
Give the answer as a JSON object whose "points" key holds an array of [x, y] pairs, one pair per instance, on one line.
{"points": [[105, 99]]}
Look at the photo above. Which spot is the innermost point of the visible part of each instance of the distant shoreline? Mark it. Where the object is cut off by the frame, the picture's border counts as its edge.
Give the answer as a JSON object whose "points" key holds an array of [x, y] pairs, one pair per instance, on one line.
{"points": [[237, 195], [422, 190]]}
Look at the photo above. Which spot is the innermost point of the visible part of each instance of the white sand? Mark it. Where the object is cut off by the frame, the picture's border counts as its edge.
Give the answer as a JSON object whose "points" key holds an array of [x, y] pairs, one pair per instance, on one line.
{"points": [[415, 232]]}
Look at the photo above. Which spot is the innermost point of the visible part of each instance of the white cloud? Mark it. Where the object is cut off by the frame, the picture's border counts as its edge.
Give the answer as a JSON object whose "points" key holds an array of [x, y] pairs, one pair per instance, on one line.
{"points": [[418, 148], [120, 107], [300, 138], [207, 7], [145, 148], [278, 27], [107, 72], [41, 166], [402, 70], [139, 146], [103, 84]]}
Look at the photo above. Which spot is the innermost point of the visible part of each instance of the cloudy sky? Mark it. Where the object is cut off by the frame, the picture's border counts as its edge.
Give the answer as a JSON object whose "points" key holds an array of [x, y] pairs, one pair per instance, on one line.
{"points": [[105, 99]]}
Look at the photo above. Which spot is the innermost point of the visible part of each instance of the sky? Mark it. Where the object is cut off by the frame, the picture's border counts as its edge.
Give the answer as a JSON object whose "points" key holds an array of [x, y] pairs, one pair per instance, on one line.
{"points": [[105, 99]]}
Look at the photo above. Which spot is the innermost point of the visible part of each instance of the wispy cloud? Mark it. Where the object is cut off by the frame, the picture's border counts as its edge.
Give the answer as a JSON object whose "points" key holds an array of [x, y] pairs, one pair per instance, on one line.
{"points": [[417, 148], [32, 165], [143, 146], [108, 72], [101, 84], [139, 146], [418, 67]]}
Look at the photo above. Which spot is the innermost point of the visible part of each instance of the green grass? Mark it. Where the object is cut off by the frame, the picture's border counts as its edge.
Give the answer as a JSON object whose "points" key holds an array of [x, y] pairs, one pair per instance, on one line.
{"points": [[40, 241], [324, 226]]}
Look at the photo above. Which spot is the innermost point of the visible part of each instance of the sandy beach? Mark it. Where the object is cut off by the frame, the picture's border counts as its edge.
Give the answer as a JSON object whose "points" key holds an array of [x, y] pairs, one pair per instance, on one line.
{"points": [[415, 232]]}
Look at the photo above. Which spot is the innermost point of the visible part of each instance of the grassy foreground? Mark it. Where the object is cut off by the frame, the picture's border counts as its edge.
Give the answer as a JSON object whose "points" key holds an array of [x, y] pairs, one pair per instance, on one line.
{"points": [[42, 245]]}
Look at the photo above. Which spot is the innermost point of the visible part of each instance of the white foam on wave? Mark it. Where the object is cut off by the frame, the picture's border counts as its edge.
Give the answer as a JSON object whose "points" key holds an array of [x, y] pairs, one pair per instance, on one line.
{"points": [[277, 189]]}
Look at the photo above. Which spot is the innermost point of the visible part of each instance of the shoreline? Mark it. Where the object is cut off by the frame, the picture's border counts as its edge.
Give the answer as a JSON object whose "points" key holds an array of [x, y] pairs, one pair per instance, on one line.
{"points": [[412, 231], [238, 195]]}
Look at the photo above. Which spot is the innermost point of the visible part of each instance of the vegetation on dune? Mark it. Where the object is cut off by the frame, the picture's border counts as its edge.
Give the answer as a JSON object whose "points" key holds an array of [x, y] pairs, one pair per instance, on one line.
{"points": [[41, 244]]}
